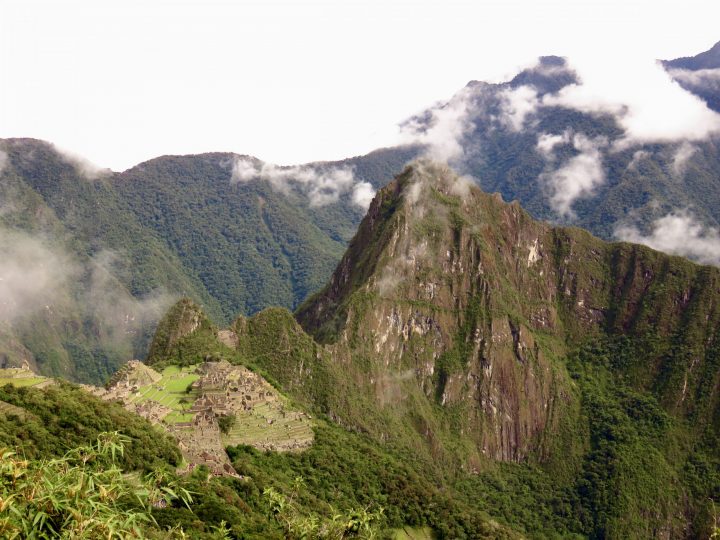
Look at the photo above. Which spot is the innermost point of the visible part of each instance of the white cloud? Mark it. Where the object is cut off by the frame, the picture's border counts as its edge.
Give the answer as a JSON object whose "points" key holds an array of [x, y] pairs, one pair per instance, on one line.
{"points": [[548, 141], [388, 59], [706, 79], [38, 276], [243, 170], [82, 165], [33, 275], [681, 157], [462, 185], [363, 193], [638, 156], [443, 132], [678, 233], [119, 315], [321, 184], [518, 103], [646, 102], [578, 177]]}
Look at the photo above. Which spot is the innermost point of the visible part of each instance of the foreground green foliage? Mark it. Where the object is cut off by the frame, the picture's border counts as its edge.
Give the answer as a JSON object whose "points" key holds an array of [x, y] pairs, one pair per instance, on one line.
{"points": [[346, 485], [296, 524], [83, 494]]}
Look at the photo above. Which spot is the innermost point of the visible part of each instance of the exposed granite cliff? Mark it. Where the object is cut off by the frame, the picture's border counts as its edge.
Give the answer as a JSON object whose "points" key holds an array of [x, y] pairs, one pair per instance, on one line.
{"points": [[478, 303]]}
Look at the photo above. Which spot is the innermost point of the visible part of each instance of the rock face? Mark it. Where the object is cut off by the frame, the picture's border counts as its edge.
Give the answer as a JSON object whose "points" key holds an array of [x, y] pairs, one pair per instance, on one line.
{"points": [[476, 303], [184, 319], [422, 291], [133, 373]]}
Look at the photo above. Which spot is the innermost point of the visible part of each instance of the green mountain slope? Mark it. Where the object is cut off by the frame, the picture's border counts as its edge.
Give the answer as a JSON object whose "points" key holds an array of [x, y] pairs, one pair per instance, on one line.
{"points": [[482, 374], [251, 243], [83, 280], [110, 251]]}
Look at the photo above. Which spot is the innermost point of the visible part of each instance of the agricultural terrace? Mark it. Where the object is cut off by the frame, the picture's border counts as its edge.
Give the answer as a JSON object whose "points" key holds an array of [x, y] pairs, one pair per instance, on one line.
{"points": [[170, 391]]}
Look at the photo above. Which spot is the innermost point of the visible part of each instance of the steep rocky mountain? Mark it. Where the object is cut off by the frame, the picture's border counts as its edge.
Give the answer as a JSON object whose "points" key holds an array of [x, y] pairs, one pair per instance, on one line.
{"points": [[457, 325]]}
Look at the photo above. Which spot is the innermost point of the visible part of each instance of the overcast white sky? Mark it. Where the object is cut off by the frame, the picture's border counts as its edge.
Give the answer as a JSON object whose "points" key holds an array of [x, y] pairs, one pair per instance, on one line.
{"points": [[291, 82]]}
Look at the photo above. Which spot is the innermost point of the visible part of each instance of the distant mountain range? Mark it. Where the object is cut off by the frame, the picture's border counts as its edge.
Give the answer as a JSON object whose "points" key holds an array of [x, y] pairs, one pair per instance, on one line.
{"points": [[576, 163]]}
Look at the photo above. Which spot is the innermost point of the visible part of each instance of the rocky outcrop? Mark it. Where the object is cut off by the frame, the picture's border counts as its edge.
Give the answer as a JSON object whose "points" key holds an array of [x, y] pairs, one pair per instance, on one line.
{"points": [[182, 320], [477, 303]]}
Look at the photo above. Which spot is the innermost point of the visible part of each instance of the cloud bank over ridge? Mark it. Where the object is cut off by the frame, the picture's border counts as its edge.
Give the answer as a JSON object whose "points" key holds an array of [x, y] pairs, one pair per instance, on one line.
{"points": [[678, 233], [321, 184]]}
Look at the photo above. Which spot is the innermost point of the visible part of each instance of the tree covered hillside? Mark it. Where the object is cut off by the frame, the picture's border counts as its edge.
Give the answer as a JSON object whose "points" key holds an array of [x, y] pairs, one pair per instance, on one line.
{"points": [[92, 257]]}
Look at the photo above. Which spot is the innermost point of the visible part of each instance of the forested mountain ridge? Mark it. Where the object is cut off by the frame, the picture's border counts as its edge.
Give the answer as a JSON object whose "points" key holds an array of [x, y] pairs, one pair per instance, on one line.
{"points": [[112, 250], [251, 242]]}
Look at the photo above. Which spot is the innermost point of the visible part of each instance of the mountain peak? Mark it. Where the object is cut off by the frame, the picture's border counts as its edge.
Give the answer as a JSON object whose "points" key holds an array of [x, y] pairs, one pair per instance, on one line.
{"points": [[709, 59], [472, 299], [416, 225]]}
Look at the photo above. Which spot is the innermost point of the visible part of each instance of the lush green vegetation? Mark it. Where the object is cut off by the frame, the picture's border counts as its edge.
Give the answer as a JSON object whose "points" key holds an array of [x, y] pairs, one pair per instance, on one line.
{"points": [[251, 245], [82, 494], [171, 227], [184, 336], [630, 451], [62, 416], [345, 485]]}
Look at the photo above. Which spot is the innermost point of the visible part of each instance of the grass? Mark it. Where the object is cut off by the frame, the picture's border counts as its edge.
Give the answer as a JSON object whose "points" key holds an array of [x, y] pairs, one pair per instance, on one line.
{"points": [[7, 408], [266, 424], [21, 381], [171, 391]]}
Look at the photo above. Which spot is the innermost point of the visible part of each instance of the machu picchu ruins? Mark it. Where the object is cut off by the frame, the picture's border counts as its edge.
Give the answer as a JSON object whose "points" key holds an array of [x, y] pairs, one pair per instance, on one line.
{"points": [[188, 401]]}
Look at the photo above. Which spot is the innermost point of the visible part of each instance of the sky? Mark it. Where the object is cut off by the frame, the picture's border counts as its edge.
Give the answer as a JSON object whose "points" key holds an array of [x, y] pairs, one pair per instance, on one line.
{"points": [[294, 82]]}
